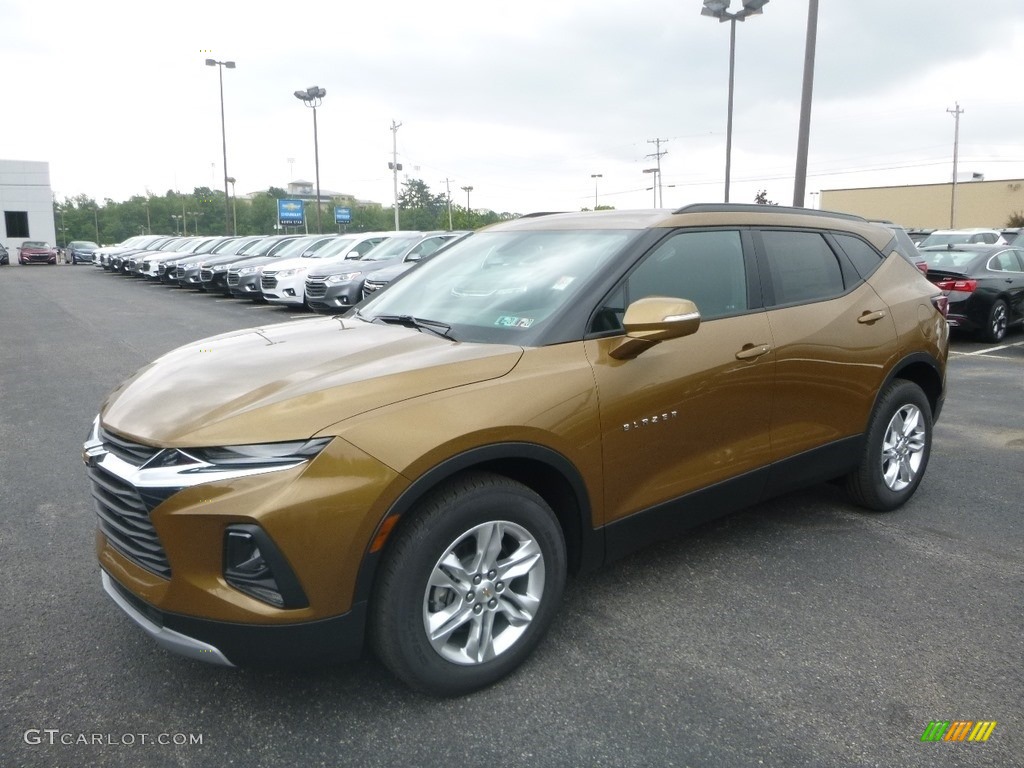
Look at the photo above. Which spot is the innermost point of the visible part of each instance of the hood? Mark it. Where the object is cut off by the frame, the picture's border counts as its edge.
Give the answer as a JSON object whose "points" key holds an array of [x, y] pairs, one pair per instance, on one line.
{"points": [[289, 381], [387, 274], [348, 265]]}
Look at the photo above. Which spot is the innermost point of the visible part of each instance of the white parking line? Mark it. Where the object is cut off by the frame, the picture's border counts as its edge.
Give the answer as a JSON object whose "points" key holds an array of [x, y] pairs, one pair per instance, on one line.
{"points": [[991, 349]]}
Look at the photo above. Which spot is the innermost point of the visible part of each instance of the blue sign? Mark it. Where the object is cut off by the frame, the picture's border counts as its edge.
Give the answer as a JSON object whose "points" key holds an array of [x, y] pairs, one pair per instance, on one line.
{"points": [[290, 213], [342, 215]]}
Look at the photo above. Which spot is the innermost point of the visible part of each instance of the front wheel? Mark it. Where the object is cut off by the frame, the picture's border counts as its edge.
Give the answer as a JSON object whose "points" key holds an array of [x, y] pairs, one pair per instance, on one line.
{"points": [[896, 449], [998, 321], [469, 585]]}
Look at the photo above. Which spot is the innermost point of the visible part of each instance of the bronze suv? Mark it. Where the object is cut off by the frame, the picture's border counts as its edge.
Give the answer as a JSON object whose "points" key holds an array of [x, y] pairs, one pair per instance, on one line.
{"points": [[546, 395]]}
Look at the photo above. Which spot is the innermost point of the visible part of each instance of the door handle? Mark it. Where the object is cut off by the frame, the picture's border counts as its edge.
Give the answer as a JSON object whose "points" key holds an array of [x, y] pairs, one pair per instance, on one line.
{"points": [[750, 351], [871, 317]]}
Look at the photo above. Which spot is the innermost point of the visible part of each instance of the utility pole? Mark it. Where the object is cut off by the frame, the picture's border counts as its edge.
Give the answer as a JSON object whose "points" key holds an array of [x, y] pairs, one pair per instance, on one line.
{"points": [[804, 132], [394, 165], [956, 112], [658, 152], [448, 194]]}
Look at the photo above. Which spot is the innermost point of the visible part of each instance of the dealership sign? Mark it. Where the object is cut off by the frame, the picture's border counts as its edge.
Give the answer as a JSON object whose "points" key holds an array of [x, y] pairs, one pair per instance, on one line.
{"points": [[290, 213], [342, 215]]}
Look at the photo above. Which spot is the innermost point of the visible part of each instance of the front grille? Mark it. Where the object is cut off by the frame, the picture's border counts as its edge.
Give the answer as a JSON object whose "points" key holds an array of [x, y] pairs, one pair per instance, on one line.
{"points": [[268, 282], [233, 279], [161, 268], [372, 286], [179, 273], [316, 289], [124, 520], [206, 275], [134, 453], [145, 266]]}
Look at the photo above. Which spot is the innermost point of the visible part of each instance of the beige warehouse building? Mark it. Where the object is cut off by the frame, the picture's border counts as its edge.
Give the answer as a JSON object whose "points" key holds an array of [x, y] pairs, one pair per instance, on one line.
{"points": [[928, 206]]}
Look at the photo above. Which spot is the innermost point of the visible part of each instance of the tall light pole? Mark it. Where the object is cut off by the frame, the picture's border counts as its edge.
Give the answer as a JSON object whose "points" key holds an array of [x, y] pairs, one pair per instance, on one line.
{"points": [[394, 165], [800, 183], [234, 207], [956, 112], [719, 9], [469, 211], [595, 177], [223, 130], [656, 174], [448, 194], [176, 218], [313, 97]]}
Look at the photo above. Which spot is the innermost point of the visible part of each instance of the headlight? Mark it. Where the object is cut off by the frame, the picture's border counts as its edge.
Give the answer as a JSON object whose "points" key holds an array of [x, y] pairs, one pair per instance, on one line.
{"points": [[343, 278], [248, 270], [257, 454], [290, 272]]}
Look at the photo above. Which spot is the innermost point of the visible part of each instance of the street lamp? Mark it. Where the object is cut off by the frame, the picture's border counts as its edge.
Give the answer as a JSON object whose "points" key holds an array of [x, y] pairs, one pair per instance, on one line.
{"points": [[595, 177], [655, 172], [469, 211], [223, 130], [176, 218], [313, 97], [719, 9], [195, 214], [234, 206], [804, 132]]}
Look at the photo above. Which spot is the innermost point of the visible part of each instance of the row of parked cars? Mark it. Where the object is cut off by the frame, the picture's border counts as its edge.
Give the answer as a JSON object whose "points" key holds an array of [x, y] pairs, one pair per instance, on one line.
{"points": [[327, 273]]}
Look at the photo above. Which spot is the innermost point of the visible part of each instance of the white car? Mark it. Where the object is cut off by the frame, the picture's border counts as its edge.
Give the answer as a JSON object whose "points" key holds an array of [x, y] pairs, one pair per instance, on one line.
{"points": [[957, 236], [284, 282]]}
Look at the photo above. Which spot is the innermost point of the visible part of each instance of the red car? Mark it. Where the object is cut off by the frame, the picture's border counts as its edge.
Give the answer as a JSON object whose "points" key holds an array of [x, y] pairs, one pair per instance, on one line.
{"points": [[36, 252]]}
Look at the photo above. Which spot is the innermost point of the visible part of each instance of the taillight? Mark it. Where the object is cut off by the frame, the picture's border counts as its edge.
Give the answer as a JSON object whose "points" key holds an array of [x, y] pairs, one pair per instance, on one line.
{"points": [[949, 284], [923, 266], [941, 303]]}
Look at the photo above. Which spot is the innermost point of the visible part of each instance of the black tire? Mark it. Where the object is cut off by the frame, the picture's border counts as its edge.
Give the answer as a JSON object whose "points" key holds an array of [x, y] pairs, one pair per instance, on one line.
{"points": [[998, 321], [477, 515], [896, 449]]}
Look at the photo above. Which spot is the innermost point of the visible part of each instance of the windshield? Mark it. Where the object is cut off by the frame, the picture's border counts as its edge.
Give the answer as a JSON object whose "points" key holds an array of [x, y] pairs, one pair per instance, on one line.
{"points": [[947, 238], [296, 247], [391, 248], [500, 287], [946, 259], [208, 246], [34, 244], [85, 244], [329, 248]]}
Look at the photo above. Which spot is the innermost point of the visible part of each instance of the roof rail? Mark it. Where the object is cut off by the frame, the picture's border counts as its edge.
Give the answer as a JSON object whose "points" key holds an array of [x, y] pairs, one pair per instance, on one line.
{"points": [[535, 214], [754, 207]]}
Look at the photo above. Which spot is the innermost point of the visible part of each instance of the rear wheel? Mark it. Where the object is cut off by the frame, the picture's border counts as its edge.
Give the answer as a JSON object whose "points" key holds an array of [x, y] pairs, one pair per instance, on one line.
{"points": [[896, 449], [998, 321], [469, 585]]}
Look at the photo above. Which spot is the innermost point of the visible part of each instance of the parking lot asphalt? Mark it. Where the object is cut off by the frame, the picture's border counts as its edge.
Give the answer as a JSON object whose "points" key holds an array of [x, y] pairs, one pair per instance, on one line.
{"points": [[801, 632]]}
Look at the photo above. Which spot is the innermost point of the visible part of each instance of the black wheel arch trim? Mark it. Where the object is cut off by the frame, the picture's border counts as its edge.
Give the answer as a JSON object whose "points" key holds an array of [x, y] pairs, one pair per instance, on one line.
{"points": [[936, 398], [585, 544]]}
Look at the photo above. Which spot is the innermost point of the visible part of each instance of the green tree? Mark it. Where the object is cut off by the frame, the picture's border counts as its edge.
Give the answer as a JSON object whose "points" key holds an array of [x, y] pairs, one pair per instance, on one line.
{"points": [[761, 198]]}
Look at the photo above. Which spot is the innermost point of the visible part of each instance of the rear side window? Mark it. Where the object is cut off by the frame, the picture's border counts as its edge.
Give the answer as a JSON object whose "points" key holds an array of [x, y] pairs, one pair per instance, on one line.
{"points": [[865, 258], [802, 266]]}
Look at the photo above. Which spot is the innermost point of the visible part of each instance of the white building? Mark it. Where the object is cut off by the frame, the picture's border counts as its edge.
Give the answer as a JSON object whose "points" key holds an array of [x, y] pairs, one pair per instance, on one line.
{"points": [[26, 202]]}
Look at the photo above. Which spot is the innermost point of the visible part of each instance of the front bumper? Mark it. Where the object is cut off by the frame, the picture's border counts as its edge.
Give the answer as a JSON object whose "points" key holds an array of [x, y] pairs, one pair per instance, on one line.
{"points": [[230, 644], [337, 297]]}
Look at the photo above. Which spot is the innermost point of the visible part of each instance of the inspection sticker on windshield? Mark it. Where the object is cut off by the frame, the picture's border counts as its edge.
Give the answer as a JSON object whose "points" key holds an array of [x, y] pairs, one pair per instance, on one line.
{"points": [[562, 283], [507, 321]]}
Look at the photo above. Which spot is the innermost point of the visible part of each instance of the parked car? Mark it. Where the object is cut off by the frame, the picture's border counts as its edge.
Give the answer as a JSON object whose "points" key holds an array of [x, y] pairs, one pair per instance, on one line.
{"points": [[285, 282], [244, 278], [36, 252], [118, 260], [186, 271], [548, 394], [148, 264], [984, 285], [431, 244], [335, 287], [953, 236], [80, 252], [5, 258]]}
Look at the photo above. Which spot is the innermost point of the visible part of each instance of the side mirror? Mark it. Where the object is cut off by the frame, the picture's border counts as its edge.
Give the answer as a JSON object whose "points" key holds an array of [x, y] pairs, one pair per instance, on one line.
{"points": [[654, 319], [352, 255]]}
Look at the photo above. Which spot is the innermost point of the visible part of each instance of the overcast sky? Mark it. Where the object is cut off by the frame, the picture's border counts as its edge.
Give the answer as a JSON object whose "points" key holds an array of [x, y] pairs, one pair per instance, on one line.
{"points": [[523, 101]]}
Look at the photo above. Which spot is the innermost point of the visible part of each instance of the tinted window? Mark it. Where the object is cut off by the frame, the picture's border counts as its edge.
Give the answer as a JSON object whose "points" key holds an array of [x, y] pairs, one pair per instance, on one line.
{"points": [[864, 257], [802, 266], [1005, 261], [705, 267]]}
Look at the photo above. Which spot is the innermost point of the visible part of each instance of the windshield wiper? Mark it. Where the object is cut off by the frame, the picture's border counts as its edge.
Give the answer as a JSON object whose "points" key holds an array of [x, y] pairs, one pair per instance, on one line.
{"points": [[420, 324]]}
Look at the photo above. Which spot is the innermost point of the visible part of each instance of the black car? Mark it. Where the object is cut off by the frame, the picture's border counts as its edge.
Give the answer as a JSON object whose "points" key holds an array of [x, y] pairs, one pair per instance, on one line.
{"points": [[4, 256], [984, 284], [80, 252]]}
